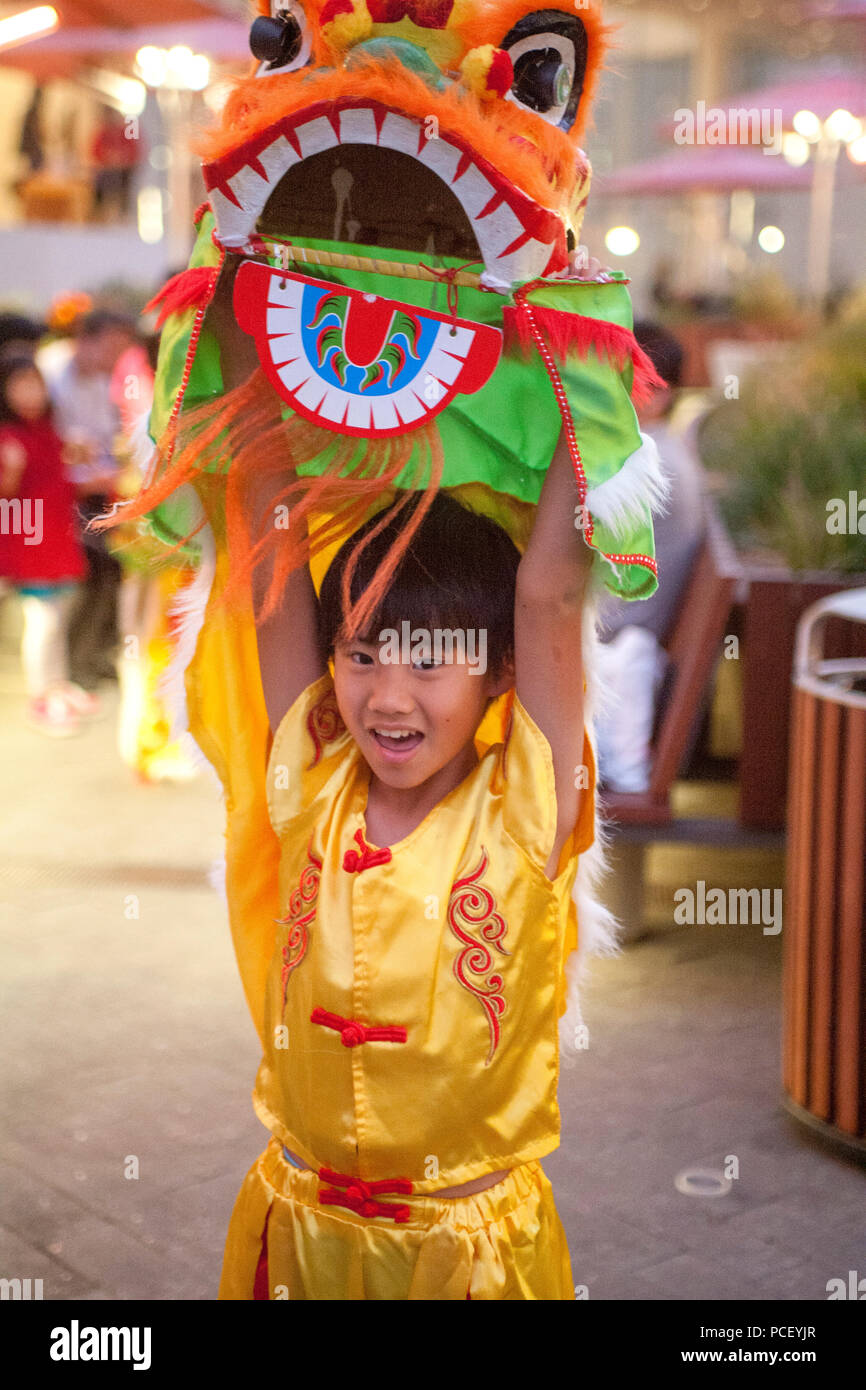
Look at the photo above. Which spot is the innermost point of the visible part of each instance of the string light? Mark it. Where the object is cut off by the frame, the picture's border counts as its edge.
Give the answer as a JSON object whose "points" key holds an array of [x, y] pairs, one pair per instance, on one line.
{"points": [[18, 28], [622, 241]]}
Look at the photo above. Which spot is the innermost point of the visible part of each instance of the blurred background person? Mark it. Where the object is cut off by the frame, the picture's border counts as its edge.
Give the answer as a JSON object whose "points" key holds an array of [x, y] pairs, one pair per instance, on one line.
{"points": [[679, 530], [89, 421], [115, 157], [632, 660], [41, 555], [65, 313], [19, 335], [31, 142], [151, 584]]}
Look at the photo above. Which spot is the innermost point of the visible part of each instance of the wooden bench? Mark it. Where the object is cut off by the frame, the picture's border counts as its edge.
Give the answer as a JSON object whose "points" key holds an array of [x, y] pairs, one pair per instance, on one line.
{"points": [[638, 819]]}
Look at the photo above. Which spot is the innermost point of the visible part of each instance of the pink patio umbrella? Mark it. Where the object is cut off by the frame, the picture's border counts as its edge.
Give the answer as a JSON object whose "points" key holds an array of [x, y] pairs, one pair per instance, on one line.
{"points": [[703, 168], [822, 94], [68, 48], [843, 10]]}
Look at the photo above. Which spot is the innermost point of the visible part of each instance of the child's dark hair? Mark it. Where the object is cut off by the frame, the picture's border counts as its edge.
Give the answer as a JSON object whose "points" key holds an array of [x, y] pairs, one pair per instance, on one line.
{"points": [[100, 321], [460, 572], [663, 349], [9, 367]]}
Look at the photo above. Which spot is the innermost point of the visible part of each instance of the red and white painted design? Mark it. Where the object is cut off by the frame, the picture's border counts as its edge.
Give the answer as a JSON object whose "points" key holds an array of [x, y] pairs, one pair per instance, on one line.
{"points": [[473, 919], [302, 912], [349, 376], [324, 724]]}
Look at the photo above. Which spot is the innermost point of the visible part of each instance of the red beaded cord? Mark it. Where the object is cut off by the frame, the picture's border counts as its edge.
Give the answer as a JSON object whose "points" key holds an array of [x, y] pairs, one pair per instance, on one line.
{"points": [[568, 423]]}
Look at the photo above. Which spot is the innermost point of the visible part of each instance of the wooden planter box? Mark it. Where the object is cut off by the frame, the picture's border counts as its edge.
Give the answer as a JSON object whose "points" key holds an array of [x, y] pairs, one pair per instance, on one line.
{"points": [[776, 600]]}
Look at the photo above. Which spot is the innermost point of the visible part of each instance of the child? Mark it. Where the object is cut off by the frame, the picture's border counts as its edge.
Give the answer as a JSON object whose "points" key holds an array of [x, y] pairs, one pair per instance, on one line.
{"points": [[40, 551], [409, 1079]]}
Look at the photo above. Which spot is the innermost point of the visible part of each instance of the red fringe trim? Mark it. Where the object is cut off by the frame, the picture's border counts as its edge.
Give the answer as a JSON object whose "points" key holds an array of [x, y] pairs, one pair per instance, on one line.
{"points": [[190, 289], [573, 335]]}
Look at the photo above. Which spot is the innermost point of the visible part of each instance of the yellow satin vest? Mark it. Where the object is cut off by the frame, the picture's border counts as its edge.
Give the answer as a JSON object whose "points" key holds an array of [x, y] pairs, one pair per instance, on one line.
{"points": [[434, 969]]}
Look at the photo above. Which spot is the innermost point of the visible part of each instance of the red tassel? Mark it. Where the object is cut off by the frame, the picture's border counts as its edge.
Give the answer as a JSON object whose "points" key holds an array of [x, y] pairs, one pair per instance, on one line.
{"points": [[189, 289], [573, 335]]}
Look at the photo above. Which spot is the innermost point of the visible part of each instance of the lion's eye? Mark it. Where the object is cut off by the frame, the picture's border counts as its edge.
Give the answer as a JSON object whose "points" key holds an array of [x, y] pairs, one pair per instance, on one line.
{"points": [[281, 42], [549, 51]]}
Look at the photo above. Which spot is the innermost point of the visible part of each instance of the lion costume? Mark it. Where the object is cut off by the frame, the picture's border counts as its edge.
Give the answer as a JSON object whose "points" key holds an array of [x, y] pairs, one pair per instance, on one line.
{"points": [[385, 291]]}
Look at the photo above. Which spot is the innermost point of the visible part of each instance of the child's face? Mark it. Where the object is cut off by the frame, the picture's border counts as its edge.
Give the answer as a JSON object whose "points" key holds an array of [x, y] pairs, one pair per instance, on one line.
{"points": [[26, 394], [439, 705]]}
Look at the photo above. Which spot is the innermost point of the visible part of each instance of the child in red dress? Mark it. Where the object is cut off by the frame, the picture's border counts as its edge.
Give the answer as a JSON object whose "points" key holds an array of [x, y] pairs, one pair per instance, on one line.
{"points": [[41, 555]]}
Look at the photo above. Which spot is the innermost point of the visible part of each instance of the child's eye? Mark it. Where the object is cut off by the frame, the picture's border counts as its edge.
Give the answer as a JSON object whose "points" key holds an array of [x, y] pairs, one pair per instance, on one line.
{"points": [[426, 663], [361, 658]]}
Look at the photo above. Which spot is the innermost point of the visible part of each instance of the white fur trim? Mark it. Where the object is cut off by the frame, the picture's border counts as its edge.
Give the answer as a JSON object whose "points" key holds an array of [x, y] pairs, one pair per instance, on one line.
{"points": [[141, 446], [641, 485], [597, 930], [216, 877], [189, 605]]}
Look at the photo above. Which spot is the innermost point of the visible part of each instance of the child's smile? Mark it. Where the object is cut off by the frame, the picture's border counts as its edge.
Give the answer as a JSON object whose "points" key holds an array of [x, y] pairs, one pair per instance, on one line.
{"points": [[412, 720], [397, 744]]}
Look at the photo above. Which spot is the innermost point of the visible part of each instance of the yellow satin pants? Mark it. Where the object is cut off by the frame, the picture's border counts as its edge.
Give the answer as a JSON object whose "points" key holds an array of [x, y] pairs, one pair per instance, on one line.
{"points": [[506, 1243]]}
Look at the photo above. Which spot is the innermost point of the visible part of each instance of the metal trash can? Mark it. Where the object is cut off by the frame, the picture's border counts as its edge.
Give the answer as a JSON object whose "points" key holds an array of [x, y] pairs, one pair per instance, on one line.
{"points": [[824, 1006]]}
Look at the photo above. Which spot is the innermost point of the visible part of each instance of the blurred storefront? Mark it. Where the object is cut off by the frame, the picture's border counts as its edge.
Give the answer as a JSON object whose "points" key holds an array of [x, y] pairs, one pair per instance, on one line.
{"points": [[95, 158], [674, 61]]}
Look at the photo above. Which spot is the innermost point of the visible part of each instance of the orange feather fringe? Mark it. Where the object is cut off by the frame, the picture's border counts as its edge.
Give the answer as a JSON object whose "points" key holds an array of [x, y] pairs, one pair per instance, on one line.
{"points": [[544, 168], [247, 432]]}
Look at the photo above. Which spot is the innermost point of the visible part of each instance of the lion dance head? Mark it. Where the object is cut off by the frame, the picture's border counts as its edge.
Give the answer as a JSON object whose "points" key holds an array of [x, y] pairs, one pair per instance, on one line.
{"points": [[385, 292], [448, 127]]}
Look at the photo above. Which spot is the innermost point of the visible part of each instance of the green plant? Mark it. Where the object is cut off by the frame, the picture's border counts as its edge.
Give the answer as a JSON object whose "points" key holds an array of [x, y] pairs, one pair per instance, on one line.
{"points": [[765, 297], [793, 442]]}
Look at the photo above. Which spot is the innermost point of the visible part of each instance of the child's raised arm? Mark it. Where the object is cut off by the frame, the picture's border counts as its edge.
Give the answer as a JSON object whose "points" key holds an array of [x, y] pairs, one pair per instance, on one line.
{"points": [[548, 629], [288, 642]]}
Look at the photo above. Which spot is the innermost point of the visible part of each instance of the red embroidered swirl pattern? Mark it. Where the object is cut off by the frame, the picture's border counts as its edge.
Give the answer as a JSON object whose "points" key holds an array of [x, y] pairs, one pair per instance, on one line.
{"points": [[302, 911], [325, 723], [471, 909]]}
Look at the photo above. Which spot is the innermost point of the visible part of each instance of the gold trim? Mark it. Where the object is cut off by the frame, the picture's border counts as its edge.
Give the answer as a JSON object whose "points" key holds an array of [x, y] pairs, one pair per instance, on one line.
{"points": [[307, 255]]}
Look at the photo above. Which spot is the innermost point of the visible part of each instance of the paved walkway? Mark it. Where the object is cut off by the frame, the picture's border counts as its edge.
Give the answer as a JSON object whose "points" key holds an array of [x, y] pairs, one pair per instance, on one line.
{"points": [[128, 1050]]}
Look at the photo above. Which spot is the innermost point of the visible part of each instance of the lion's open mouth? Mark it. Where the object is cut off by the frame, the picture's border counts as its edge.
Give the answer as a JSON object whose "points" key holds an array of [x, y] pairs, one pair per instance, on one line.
{"points": [[372, 197], [362, 172]]}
